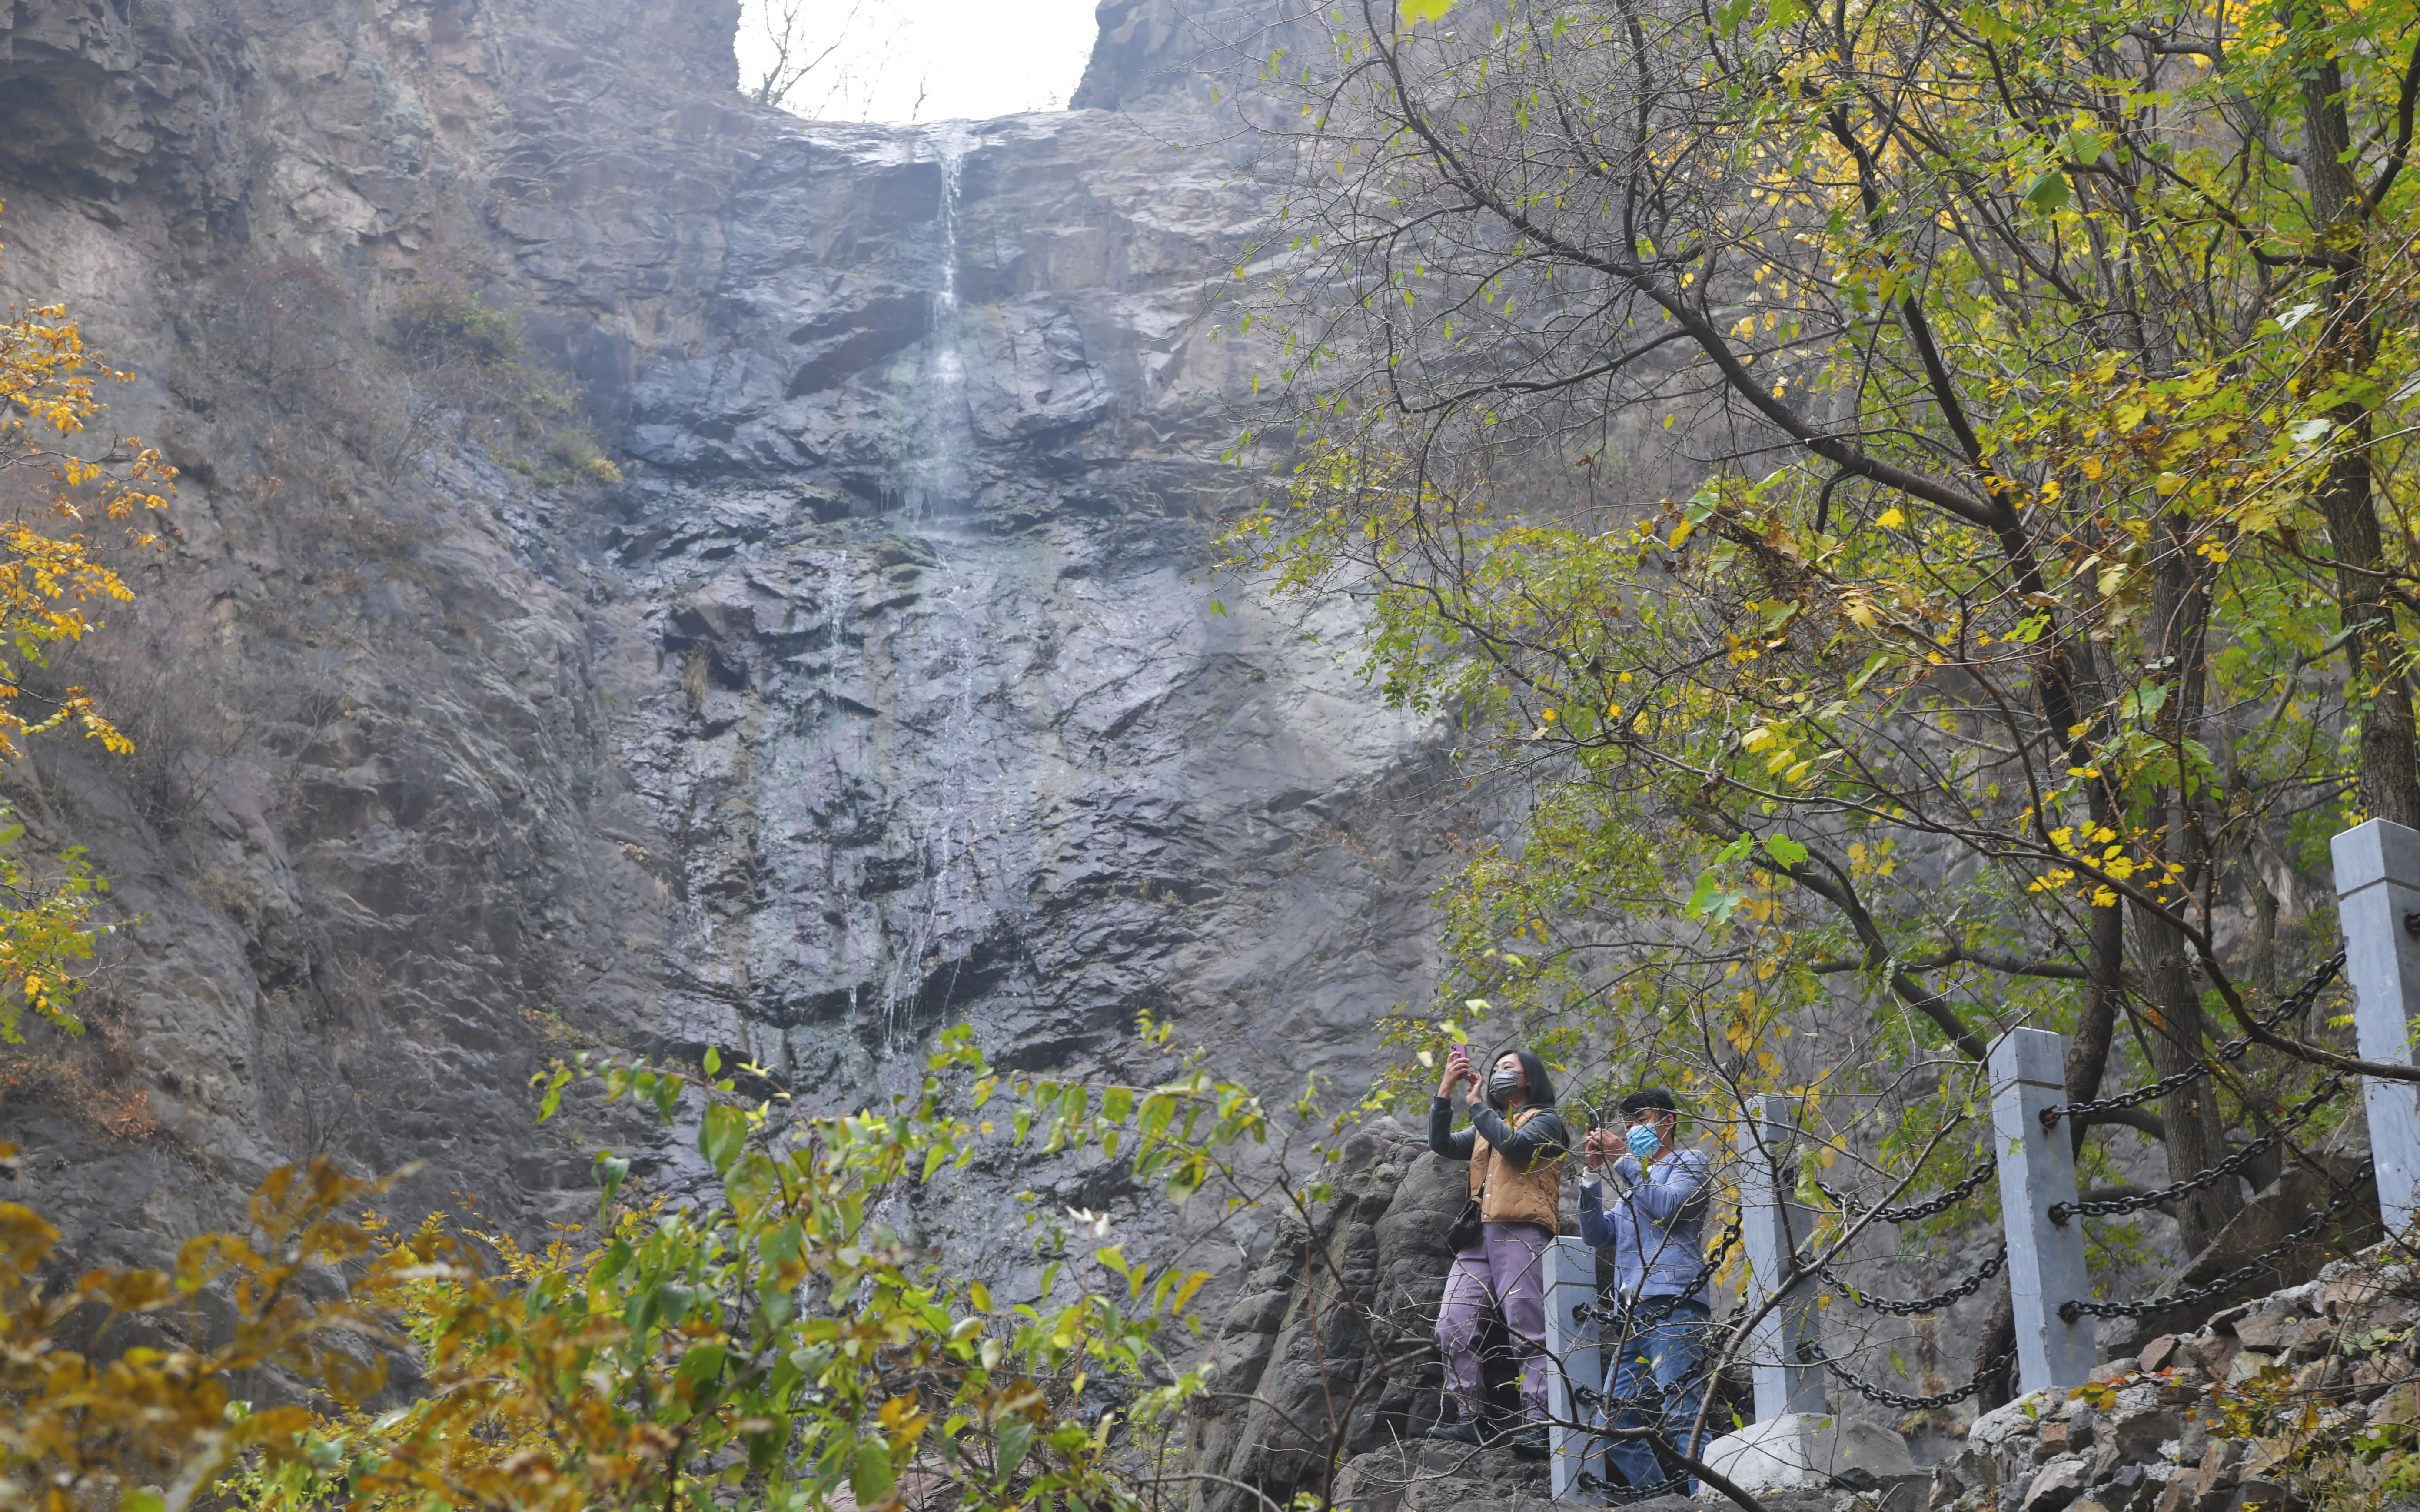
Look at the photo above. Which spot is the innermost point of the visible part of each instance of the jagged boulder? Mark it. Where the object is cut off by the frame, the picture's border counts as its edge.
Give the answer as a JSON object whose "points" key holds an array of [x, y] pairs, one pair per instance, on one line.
{"points": [[1322, 1355], [2308, 1368], [1427, 1476]]}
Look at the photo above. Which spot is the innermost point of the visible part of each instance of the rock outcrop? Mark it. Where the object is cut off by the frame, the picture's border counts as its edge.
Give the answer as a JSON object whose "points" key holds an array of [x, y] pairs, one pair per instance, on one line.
{"points": [[2232, 1415], [1330, 1346], [885, 691]]}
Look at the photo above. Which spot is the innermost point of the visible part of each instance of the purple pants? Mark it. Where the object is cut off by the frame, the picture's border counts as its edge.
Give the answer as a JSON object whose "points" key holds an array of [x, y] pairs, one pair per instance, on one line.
{"points": [[1505, 1269]]}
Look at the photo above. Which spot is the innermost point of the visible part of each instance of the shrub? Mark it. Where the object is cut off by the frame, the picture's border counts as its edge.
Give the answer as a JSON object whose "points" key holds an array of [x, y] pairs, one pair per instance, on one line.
{"points": [[772, 1344], [442, 322], [578, 451], [55, 490]]}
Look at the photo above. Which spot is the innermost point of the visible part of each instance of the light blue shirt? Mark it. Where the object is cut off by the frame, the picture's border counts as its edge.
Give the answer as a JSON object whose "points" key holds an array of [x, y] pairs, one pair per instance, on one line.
{"points": [[1656, 1224]]}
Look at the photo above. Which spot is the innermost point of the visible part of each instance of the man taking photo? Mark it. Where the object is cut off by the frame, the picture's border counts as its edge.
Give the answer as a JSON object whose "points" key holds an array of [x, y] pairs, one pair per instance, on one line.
{"points": [[1653, 1220]]}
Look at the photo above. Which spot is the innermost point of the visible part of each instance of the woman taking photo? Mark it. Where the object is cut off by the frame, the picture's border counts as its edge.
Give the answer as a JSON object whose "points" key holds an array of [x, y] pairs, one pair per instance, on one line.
{"points": [[1516, 1144]]}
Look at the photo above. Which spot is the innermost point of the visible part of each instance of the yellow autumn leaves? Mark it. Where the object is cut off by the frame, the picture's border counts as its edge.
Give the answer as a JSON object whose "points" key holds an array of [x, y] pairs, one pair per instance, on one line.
{"points": [[52, 574]]}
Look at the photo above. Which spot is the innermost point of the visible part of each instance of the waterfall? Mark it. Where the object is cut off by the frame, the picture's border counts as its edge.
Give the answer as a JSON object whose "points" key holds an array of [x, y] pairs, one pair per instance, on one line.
{"points": [[936, 472], [939, 435]]}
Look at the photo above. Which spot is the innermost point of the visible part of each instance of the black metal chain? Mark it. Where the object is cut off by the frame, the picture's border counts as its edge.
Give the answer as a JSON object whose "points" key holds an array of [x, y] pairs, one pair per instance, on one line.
{"points": [[1915, 1404], [2102, 1207], [1633, 1316], [1934, 1304], [2298, 1001], [1590, 1480], [2072, 1310], [1982, 1171], [1659, 1402], [1654, 1399]]}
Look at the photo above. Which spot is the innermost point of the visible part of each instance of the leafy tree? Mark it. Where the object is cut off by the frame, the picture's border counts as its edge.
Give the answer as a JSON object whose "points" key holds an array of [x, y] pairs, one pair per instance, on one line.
{"points": [[53, 490], [2048, 369], [774, 1344], [133, 1418]]}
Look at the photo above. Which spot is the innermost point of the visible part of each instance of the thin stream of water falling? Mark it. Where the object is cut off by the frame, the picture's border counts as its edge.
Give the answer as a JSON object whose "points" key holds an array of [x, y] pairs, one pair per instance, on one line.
{"points": [[939, 432], [944, 437]]}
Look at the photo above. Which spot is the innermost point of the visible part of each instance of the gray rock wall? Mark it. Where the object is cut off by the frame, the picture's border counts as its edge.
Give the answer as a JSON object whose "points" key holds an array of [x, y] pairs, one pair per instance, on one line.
{"points": [[965, 734], [886, 692]]}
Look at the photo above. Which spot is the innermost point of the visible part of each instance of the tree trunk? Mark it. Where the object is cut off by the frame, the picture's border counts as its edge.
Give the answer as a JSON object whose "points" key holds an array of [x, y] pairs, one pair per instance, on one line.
{"points": [[1999, 1337], [2263, 957], [2196, 1137], [2375, 684], [2088, 1054]]}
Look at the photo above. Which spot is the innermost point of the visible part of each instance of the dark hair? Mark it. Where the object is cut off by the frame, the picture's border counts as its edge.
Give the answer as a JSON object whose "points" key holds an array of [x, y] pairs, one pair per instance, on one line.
{"points": [[1535, 1083], [1656, 1099]]}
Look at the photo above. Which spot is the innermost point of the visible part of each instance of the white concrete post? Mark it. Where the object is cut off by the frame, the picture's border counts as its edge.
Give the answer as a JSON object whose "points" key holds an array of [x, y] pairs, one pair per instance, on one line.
{"points": [[1573, 1361], [2029, 1071], [2378, 890], [1770, 1228]]}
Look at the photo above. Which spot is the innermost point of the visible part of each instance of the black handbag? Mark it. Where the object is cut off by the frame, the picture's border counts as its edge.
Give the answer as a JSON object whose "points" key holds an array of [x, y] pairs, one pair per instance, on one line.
{"points": [[1466, 1230]]}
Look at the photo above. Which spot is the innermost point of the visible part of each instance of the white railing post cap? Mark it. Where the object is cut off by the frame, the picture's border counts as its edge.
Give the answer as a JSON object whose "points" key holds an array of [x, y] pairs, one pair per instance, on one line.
{"points": [[2036, 1056], [2374, 851]]}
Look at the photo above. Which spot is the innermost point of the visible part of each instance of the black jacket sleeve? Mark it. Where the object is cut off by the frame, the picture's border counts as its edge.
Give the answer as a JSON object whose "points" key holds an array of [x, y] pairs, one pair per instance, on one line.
{"points": [[1543, 1137], [1442, 1138]]}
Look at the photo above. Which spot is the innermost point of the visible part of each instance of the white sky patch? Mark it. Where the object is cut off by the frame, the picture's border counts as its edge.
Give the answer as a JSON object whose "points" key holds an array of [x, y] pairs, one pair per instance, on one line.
{"points": [[918, 60]]}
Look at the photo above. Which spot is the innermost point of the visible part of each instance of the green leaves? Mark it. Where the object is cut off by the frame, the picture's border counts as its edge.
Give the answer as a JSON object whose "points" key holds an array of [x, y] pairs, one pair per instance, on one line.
{"points": [[701, 1363], [611, 1172], [1415, 12], [1014, 1438], [722, 1135], [778, 1323], [1710, 899], [2143, 701], [2049, 192], [871, 1473]]}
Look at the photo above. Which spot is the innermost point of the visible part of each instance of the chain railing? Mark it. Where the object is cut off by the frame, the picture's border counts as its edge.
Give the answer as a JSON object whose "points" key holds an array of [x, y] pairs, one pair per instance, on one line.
{"points": [[1623, 1492], [1982, 1171], [1654, 1399], [2298, 1001], [1635, 1315], [2134, 1201], [1888, 1397], [1604, 1406], [1918, 1306], [2025, 1068], [2345, 1198]]}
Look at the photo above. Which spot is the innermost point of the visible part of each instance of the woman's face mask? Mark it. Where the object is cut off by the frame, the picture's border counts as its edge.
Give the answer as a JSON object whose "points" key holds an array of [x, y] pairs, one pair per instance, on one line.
{"points": [[1644, 1140], [1502, 1083]]}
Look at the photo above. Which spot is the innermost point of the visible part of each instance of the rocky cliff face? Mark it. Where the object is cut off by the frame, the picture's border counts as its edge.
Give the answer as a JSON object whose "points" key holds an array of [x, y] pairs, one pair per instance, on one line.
{"points": [[883, 693], [960, 736]]}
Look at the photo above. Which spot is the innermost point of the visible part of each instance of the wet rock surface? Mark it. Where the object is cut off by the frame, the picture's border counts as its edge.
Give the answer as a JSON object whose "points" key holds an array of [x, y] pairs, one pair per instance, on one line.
{"points": [[885, 692], [940, 715]]}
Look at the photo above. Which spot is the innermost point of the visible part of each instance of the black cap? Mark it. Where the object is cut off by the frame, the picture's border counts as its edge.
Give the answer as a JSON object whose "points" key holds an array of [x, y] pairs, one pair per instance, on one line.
{"points": [[1658, 1098]]}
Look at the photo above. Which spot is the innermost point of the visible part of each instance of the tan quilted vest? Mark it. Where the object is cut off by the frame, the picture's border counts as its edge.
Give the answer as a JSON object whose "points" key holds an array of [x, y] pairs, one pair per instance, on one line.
{"points": [[1509, 1197]]}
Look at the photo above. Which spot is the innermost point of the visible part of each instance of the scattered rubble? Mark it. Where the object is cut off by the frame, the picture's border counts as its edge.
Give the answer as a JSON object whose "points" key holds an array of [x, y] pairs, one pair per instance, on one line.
{"points": [[2225, 1419]]}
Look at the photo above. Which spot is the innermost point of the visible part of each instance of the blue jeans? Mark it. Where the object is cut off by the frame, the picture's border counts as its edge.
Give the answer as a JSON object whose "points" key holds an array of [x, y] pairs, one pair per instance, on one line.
{"points": [[1660, 1359]]}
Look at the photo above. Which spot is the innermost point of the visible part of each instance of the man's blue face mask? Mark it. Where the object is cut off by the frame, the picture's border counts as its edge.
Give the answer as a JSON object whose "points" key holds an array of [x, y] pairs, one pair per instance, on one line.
{"points": [[1644, 1140]]}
